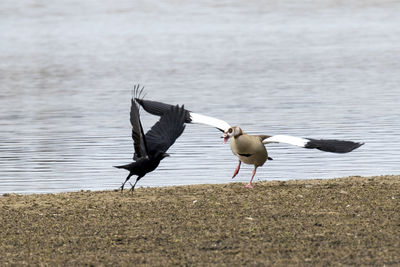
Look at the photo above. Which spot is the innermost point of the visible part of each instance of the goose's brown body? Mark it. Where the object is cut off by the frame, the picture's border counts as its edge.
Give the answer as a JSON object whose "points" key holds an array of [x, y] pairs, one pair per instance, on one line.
{"points": [[249, 149]]}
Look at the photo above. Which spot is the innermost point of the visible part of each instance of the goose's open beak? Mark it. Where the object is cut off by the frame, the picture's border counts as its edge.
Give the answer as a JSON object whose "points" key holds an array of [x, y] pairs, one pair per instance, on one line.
{"points": [[226, 137]]}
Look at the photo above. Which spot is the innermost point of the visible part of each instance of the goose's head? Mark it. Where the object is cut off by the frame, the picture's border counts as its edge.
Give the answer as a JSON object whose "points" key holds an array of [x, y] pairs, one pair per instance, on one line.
{"points": [[234, 131]]}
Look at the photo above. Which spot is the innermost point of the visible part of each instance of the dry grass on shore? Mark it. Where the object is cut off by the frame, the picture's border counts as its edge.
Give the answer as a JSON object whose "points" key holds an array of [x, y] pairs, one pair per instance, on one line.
{"points": [[348, 221]]}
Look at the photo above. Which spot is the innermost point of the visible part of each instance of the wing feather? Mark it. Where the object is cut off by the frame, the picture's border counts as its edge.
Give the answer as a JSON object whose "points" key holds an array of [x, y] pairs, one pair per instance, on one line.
{"points": [[328, 145], [287, 139], [159, 108], [332, 145], [139, 141], [221, 125], [164, 133]]}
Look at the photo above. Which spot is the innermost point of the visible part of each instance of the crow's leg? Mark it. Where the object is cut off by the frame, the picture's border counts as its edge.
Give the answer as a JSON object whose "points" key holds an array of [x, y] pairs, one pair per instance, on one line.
{"points": [[133, 186], [126, 180]]}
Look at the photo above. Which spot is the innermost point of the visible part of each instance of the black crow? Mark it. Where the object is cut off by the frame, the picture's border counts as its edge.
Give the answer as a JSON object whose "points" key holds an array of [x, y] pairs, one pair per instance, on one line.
{"points": [[151, 148]]}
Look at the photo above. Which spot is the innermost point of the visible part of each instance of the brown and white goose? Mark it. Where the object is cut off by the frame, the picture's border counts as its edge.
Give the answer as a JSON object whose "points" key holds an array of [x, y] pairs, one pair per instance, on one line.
{"points": [[250, 149]]}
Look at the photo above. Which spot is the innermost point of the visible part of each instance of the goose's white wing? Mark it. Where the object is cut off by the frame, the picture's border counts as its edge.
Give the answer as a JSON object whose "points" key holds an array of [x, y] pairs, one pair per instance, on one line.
{"points": [[328, 145], [287, 139], [202, 119]]}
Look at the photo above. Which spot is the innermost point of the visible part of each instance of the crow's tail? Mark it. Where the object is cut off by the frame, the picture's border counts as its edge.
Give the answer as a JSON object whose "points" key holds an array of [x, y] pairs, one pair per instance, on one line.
{"points": [[126, 167]]}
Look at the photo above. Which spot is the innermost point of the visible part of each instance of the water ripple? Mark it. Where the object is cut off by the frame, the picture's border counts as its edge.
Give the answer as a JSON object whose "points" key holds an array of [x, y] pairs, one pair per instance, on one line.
{"points": [[67, 72]]}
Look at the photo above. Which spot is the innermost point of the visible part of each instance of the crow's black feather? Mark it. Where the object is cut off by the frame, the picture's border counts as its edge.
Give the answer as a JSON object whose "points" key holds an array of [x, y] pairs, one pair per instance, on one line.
{"points": [[138, 136], [164, 133], [159, 108]]}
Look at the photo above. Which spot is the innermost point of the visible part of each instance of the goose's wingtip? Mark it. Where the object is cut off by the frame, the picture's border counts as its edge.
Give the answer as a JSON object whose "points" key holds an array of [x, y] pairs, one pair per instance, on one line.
{"points": [[334, 146]]}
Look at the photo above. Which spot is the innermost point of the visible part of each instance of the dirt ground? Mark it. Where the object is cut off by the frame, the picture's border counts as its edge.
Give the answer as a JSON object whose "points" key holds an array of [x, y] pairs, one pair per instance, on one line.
{"points": [[347, 221]]}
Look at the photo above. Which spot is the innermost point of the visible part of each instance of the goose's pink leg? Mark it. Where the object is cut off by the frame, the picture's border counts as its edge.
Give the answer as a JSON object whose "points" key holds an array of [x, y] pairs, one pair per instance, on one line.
{"points": [[252, 176], [237, 170]]}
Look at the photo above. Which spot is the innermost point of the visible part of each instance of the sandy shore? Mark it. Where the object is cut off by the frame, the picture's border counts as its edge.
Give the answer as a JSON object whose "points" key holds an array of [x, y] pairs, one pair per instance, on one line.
{"points": [[347, 221]]}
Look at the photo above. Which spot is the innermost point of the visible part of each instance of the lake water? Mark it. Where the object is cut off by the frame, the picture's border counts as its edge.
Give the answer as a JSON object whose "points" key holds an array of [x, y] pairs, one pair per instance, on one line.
{"points": [[322, 69]]}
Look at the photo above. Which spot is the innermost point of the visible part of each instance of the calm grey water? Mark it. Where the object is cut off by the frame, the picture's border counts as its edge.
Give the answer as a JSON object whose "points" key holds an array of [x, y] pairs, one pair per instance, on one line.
{"points": [[317, 69]]}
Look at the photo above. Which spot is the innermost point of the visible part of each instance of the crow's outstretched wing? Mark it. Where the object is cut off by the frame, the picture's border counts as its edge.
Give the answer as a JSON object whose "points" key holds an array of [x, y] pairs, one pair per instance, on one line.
{"points": [[164, 133], [139, 139], [159, 108]]}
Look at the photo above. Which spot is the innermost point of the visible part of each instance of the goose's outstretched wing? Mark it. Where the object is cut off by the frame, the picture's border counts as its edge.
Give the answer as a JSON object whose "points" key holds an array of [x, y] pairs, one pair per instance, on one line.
{"points": [[328, 145], [139, 140], [221, 125], [164, 133], [159, 108]]}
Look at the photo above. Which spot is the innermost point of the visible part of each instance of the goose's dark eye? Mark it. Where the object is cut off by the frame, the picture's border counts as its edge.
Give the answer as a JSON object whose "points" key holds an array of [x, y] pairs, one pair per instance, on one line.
{"points": [[230, 130]]}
